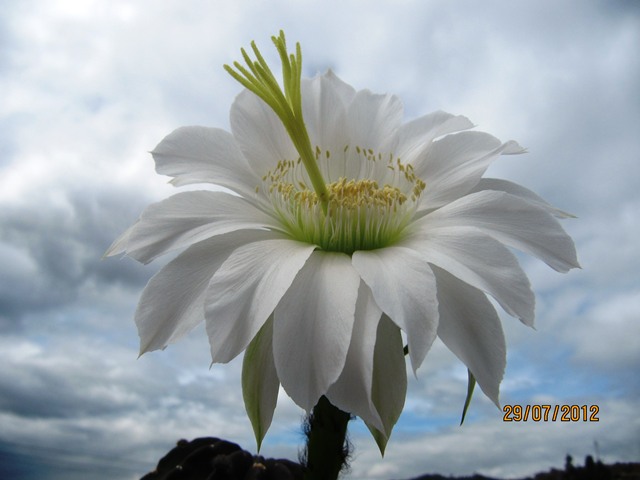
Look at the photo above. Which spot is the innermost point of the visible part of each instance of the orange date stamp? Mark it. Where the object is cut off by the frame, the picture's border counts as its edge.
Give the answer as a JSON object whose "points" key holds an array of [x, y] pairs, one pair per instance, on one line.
{"points": [[551, 413]]}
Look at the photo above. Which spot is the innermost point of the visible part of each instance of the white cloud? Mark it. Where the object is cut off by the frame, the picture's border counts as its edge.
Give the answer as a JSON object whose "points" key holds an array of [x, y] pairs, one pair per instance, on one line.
{"points": [[494, 448], [608, 335]]}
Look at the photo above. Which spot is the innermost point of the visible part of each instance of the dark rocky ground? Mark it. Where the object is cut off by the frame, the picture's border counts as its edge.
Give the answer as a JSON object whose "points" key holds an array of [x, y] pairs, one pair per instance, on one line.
{"points": [[211, 458]]}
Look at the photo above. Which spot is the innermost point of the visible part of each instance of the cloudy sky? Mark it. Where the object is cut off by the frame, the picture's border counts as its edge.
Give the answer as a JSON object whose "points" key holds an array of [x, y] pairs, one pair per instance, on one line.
{"points": [[88, 87]]}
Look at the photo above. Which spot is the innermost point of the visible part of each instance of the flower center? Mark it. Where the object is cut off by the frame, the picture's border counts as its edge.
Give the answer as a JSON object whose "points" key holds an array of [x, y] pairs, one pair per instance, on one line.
{"points": [[362, 213]]}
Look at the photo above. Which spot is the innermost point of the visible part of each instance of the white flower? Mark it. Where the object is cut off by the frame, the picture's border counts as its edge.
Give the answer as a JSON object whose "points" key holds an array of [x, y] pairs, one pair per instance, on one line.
{"points": [[411, 239]]}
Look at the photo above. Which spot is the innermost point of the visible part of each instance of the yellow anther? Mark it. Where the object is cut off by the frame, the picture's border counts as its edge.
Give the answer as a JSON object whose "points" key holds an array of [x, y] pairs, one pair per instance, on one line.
{"points": [[360, 213]]}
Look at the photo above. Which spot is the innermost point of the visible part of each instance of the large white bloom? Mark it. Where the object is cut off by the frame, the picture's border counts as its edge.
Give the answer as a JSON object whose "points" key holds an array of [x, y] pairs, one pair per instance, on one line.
{"points": [[412, 239]]}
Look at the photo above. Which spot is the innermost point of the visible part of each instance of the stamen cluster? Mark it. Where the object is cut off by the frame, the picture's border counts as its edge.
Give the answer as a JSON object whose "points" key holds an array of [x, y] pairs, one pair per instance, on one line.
{"points": [[361, 214]]}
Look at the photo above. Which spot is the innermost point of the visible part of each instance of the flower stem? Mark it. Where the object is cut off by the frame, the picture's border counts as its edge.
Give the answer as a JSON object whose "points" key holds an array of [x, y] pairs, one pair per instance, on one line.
{"points": [[327, 449]]}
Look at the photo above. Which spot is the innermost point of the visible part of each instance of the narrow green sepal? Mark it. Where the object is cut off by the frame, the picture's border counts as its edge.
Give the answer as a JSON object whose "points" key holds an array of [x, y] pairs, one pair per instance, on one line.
{"points": [[388, 363], [380, 438], [260, 382], [471, 385]]}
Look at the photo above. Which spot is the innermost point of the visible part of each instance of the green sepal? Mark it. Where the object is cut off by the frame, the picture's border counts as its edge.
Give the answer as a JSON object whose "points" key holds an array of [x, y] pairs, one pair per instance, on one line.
{"points": [[471, 385], [260, 382], [388, 363], [380, 438]]}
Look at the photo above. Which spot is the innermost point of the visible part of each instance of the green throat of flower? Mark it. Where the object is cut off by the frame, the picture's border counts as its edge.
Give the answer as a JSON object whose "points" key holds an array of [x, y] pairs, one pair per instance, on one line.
{"points": [[343, 214], [361, 214]]}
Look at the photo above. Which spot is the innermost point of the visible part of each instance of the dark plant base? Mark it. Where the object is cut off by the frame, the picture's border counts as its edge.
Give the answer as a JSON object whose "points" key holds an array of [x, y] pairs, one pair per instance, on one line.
{"points": [[210, 458]]}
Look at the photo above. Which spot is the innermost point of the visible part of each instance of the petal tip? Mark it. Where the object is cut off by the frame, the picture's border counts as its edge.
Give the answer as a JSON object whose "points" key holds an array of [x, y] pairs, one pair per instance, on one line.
{"points": [[513, 148]]}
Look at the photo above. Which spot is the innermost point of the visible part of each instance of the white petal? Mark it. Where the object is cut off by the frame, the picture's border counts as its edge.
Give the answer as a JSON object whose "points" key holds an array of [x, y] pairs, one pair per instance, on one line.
{"points": [[453, 165], [373, 121], [324, 108], [187, 218], [313, 325], [513, 148], [480, 261], [404, 287], [119, 245], [389, 377], [246, 289], [204, 155], [259, 133], [416, 136], [352, 391], [519, 191], [341, 88], [173, 301], [469, 326], [260, 381], [513, 221]]}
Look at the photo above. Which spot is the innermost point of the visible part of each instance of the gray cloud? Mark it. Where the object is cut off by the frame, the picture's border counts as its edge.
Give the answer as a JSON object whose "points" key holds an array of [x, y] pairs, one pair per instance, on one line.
{"points": [[27, 462], [51, 250]]}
